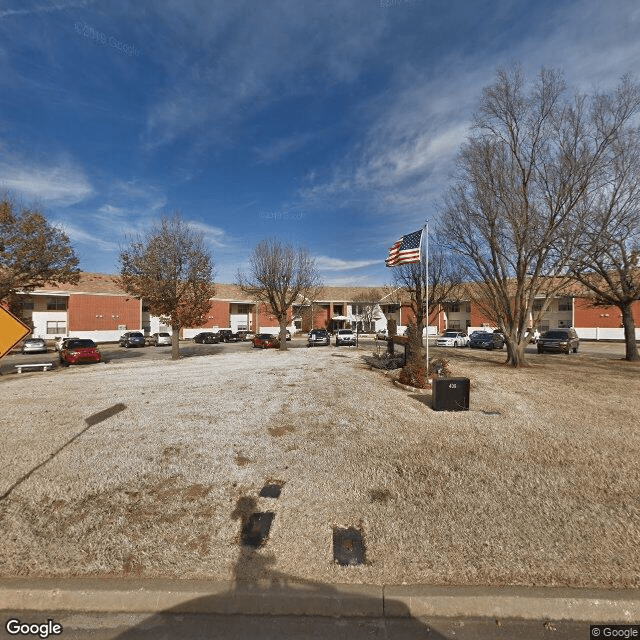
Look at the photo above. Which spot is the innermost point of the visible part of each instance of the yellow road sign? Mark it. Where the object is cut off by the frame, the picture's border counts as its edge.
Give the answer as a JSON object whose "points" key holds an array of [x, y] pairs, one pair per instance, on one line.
{"points": [[12, 331]]}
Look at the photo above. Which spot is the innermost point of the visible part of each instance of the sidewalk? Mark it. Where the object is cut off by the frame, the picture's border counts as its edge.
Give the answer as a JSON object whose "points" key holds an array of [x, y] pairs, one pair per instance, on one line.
{"points": [[371, 601]]}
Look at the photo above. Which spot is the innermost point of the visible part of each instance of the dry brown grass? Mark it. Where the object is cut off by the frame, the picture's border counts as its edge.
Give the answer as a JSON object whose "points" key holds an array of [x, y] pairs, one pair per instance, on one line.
{"points": [[545, 493]]}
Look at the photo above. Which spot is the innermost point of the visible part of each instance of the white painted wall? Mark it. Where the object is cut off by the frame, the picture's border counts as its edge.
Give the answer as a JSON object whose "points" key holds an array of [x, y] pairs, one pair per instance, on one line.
{"points": [[40, 319], [603, 333]]}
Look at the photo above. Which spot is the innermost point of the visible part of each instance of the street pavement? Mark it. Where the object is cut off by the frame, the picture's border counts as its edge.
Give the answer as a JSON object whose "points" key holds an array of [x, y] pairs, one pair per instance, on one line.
{"points": [[101, 626]]}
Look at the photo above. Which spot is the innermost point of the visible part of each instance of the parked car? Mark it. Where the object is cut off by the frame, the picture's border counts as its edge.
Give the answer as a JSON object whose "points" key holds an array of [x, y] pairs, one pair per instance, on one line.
{"points": [[227, 335], [206, 337], [288, 335], [78, 351], [34, 345], [453, 339], [132, 339], [486, 340], [161, 339], [345, 336], [563, 340], [266, 341], [319, 338]]}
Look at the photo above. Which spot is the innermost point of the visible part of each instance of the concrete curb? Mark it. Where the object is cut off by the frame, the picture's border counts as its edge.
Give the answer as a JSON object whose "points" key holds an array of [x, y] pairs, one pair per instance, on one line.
{"points": [[340, 600]]}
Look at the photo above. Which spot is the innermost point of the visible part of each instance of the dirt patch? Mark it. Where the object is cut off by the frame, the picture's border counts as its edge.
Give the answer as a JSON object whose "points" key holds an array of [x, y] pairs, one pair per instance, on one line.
{"points": [[380, 495], [242, 461], [278, 432]]}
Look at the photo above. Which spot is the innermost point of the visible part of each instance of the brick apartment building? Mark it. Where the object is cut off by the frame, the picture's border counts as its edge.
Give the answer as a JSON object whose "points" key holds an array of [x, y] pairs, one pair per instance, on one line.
{"points": [[96, 307]]}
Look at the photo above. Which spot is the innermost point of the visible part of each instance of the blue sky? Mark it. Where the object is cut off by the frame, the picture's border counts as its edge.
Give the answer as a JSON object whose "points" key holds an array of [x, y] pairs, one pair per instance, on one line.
{"points": [[332, 124]]}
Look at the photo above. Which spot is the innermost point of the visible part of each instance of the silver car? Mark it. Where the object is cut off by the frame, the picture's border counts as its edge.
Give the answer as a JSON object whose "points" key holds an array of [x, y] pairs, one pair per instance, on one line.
{"points": [[34, 345], [161, 339]]}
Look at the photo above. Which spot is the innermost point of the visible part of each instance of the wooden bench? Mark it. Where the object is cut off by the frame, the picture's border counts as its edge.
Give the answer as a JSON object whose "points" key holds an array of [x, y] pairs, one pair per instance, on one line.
{"points": [[45, 366]]}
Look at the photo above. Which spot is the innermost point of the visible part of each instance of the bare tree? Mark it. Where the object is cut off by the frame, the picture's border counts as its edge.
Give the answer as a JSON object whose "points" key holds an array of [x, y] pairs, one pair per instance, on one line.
{"points": [[280, 275], [172, 270], [32, 253], [442, 285], [608, 260], [513, 214], [366, 304]]}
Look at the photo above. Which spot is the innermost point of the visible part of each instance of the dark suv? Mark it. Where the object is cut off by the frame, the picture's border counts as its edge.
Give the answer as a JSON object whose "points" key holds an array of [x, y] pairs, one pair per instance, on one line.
{"points": [[132, 339], [486, 340], [318, 337], [227, 335], [563, 340]]}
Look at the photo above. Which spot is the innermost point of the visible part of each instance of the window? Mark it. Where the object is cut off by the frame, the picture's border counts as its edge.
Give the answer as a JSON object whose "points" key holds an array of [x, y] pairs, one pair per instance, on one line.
{"points": [[337, 309], [565, 304], [27, 305], [454, 307], [56, 304], [245, 308], [537, 305], [56, 327]]}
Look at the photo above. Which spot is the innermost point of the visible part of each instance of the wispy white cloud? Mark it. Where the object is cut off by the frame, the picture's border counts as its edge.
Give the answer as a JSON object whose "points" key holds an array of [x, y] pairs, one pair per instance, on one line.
{"points": [[215, 236], [335, 264], [363, 280], [86, 238], [42, 8], [406, 158], [249, 54], [277, 149], [61, 184]]}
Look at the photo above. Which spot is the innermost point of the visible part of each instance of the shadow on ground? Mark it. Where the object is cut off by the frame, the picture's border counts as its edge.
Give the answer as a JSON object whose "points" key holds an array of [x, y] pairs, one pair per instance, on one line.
{"points": [[254, 607]]}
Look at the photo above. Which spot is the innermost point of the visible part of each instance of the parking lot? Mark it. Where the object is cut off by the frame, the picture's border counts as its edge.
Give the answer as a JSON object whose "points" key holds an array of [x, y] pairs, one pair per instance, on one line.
{"points": [[112, 352]]}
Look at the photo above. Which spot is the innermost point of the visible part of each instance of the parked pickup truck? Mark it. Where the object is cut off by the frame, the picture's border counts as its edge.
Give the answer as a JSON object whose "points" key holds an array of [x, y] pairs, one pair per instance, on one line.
{"points": [[227, 335]]}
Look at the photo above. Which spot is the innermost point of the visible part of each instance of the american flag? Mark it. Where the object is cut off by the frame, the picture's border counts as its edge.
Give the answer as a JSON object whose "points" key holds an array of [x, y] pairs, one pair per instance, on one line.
{"points": [[406, 250]]}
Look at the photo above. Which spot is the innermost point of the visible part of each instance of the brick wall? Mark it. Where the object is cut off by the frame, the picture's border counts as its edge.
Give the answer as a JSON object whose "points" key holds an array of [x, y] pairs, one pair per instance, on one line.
{"points": [[218, 315], [586, 316], [103, 313]]}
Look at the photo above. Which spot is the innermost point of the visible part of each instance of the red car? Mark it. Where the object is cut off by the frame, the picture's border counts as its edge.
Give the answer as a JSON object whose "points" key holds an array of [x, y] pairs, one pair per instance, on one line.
{"points": [[78, 351], [266, 341]]}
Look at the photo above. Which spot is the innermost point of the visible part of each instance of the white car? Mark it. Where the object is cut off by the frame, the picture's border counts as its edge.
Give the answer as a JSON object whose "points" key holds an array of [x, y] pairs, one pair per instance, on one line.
{"points": [[160, 339], [453, 339], [345, 336]]}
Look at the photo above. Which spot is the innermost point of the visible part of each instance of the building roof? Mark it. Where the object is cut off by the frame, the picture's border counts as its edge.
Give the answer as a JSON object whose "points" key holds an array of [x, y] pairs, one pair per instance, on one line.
{"points": [[107, 284], [91, 283]]}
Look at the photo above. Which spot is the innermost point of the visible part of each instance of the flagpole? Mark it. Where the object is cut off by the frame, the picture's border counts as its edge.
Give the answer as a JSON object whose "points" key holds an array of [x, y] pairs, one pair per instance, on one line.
{"points": [[426, 226]]}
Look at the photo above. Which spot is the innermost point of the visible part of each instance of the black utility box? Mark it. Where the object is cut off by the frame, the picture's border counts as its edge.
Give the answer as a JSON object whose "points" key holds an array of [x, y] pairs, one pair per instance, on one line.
{"points": [[450, 394]]}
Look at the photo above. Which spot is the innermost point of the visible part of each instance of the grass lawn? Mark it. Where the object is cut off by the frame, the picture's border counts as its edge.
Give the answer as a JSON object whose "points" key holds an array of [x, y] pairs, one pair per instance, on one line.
{"points": [[538, 484]]}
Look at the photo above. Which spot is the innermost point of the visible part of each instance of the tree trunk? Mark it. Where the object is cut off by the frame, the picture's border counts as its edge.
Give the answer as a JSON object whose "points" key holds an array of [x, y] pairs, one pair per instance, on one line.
{"points": [[515, 353], [175, 342], [631, 348], [283, 335]]}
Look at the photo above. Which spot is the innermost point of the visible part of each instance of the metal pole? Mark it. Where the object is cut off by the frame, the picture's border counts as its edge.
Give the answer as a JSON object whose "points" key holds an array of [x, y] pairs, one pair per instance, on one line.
{"points": [[427, 280]]}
